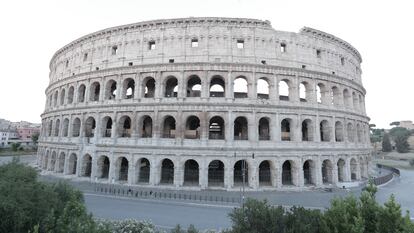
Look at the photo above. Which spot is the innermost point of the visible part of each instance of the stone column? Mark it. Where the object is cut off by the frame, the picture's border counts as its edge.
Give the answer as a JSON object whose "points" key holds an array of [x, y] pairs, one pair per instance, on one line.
{"points": [[229, 86], [154, 172], [318, 167], [253, 175], [334, 173], [252, 128], [277, 129], [228, 175], [347, 170], [301, 181], [229, 127], [203, 175], [278, 173], [137, 88], [178, 173], [332, 125], [132, 179], [205, 85], [252, 87], [112, 162]]}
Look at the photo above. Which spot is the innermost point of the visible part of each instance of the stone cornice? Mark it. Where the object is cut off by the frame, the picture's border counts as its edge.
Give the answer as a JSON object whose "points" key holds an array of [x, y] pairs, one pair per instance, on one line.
{"points": [[326, 36], [229, 106]]}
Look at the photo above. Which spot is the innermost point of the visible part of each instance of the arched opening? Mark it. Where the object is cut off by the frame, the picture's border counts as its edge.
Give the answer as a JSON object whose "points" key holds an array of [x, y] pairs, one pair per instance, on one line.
{"points": [[73, 160], [65, 127], [341, 170], [241, 173], [81, 93], [325, 131], [355, 101], [128, 88], [103, 167], [86, 169], [285, 130], [143, 170], [303, 91], [359, 132], [169, 127], [53, 162], [361, 102], [70, 94], [90, 126], [350, 132], [49, 128], [76, 127], [62, 96], [124, 127], [335, 96], [216, 128], [287, 173], [217, 86], [240, 128], [146, 130], [307, 130], [121, 170], [57, 127], [194, 86], [149, 87], [321, 93], [95, 90], [46, 161], [309, 176], [192, 128], [167, 172], [61, 162], [240, 87], [191, 173], [339, 132], [110, 90], [55, 98], [327, 171], [262, 88], [354, 169], [216, 173], [265, 174], [363, 167], [347, 98], [107, 127], [264, 129], [171, 87], [284, 90]]}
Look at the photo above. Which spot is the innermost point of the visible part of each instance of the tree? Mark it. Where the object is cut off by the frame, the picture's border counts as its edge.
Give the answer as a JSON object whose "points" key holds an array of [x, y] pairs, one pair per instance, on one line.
{"points": [[35, 138], [386, 144], [395, 123], [400, 136], [15, 146]]}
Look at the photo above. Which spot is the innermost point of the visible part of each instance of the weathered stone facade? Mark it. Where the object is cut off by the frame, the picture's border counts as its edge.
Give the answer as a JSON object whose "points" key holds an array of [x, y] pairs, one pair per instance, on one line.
{"points": [[181, 103]]}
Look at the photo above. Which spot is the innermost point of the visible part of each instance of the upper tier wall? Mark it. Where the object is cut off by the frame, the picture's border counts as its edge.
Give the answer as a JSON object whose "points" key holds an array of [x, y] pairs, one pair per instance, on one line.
{"points": [[218, 40]]}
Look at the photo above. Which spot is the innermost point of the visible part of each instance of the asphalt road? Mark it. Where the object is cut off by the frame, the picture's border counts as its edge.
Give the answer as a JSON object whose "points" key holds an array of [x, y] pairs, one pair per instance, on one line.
{"points": [[163, 214]]}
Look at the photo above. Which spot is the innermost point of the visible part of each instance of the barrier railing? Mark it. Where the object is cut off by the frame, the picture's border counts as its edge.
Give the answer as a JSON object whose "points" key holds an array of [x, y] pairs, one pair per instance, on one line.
{"points": [[161, 194], [384, 179]]}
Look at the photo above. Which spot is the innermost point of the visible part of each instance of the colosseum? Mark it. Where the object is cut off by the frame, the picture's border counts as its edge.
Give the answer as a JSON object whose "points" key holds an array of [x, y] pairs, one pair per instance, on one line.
{"points": [[206, 103]]}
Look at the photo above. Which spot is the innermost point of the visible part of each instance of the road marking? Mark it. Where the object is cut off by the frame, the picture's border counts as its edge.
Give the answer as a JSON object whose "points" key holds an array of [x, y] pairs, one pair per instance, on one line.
{"points": [[164, 201]]}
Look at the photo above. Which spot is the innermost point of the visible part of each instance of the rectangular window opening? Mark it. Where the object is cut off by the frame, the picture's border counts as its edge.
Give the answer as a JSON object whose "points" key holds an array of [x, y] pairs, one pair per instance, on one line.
{"points": [[318, 53], [171, 61], [114, 50], [151, 45], [194, 43], [264, 62], [96, 68], [67, 63], [85, 56], [342, 61], [240, 44], [303, 66], [283, 47], [130, 64]]}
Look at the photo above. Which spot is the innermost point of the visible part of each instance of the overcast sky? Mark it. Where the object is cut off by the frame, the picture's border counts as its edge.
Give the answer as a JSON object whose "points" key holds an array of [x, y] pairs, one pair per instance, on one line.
{"points": [[382, 31]]}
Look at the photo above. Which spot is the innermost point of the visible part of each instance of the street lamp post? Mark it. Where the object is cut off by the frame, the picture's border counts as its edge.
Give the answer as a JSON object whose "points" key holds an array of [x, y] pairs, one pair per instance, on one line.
{"points": [[244, 178]]}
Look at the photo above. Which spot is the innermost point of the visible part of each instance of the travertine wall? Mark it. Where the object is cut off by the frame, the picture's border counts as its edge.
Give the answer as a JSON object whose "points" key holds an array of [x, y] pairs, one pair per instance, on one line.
{"points": [[122, 106]]}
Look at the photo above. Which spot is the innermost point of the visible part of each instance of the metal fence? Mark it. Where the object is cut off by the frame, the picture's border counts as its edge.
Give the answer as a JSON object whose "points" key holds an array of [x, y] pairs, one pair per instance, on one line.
{"points": [[384, 179], [162, 194]]}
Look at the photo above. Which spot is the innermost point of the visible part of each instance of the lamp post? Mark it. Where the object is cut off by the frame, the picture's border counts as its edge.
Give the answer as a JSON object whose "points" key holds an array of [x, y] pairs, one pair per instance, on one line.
{"points": [[244, 178]]}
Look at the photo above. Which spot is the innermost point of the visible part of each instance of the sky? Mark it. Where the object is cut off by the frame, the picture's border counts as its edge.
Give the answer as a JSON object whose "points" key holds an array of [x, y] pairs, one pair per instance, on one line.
{"points": [[382, 31]]}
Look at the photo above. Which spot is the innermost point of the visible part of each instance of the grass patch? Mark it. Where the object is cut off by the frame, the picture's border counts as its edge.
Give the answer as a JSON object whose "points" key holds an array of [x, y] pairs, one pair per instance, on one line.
{"points": [[9, 152]]}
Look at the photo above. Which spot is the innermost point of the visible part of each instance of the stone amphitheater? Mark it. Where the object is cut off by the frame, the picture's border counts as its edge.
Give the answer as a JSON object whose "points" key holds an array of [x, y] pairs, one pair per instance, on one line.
{"points": [[207, 103]]}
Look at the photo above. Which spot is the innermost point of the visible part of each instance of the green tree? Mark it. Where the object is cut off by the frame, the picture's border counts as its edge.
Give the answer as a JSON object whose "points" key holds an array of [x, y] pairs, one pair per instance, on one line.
{"points": [[401, 143], [15, 146], [395, 123], [390, 218], [386, 143]]}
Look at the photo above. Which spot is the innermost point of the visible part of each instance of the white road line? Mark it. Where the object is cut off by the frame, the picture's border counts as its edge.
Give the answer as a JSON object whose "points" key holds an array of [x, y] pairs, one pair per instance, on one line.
{"points": [[164, 201]]}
